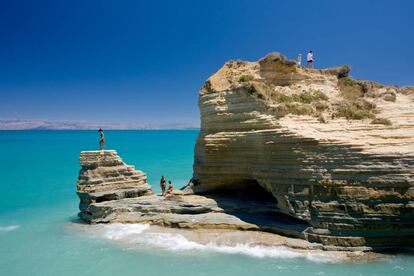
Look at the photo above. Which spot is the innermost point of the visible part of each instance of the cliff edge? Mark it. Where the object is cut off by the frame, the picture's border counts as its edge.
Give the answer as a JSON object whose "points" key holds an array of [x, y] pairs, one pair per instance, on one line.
{"points": [[334, 152]]}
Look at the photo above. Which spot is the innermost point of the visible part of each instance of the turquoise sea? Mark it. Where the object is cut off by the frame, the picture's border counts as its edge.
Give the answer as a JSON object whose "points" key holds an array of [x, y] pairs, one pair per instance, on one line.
{"points": [[38, 208]]}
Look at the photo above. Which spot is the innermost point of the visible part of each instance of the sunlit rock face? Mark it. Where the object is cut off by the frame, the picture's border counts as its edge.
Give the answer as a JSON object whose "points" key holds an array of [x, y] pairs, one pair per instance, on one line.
{"points": [[335, 152], [105, 177]]}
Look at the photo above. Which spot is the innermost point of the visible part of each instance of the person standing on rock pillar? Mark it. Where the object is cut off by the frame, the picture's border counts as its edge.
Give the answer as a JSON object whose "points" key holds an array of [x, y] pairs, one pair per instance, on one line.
{"points": [[102, 139]]}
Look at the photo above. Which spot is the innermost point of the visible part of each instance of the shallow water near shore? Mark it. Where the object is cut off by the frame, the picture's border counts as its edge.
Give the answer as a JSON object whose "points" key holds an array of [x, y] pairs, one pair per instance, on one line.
{"points": [[40, 234]]}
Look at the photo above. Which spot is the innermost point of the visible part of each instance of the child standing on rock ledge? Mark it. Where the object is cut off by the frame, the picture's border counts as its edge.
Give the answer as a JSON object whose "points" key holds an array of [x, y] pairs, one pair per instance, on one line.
{"points": [[170, 188], [102, 139], [299, 61]]}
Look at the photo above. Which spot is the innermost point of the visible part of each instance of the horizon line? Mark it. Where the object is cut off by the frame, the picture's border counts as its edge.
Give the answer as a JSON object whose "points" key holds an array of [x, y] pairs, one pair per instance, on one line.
{"points": [[42, 124]]}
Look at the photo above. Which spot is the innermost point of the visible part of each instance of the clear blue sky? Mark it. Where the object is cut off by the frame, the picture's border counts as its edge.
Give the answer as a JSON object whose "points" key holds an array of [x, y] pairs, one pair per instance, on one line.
{"points": [[144, 61]]}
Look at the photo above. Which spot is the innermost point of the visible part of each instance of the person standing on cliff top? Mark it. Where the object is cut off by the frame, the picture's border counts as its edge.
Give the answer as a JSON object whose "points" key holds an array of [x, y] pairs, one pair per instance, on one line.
{"points": [[310, 60], [163, 184], [102, 139], [299, 61]]}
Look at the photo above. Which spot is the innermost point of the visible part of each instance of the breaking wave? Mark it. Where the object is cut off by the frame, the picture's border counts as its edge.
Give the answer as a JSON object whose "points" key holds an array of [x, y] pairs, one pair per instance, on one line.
{"points": [[141, 234]]}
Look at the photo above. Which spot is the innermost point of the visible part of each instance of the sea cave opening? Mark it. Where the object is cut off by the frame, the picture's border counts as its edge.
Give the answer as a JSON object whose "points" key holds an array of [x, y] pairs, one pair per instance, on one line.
{"points": [[251, 202]]}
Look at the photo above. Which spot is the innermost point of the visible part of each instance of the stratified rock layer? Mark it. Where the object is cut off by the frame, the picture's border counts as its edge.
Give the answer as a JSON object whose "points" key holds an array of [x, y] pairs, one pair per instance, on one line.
{"points": [[113, 192], [352, 180], [104, 177]]}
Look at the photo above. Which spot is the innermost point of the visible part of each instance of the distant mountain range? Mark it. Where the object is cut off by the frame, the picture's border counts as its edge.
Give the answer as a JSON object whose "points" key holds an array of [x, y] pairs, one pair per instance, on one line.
{"points": [[38, 124]]}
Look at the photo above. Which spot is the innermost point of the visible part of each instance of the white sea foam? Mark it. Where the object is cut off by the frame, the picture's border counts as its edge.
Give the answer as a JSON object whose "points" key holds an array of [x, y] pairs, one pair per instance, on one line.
{"points": [[8, 228], [140, 234], [118, 231]]}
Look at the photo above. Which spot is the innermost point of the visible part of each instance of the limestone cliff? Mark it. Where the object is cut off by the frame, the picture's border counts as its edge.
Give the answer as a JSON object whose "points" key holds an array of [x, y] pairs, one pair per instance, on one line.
{"points": [[335, 152]]}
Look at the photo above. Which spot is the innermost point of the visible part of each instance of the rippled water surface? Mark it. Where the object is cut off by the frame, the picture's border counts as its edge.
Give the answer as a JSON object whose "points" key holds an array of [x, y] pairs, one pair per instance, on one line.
{"points": [[38, 209]]}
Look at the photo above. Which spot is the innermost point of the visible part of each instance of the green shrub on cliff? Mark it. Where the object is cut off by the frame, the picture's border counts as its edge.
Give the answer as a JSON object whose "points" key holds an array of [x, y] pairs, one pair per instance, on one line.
{"points": [[355, 110], [295, 108], [319, 95], [348, 81], [350, 89], [311, 96], [306, 97], [353, 89], [310, 102], [354, 105], [245, 78], [300, 109]]}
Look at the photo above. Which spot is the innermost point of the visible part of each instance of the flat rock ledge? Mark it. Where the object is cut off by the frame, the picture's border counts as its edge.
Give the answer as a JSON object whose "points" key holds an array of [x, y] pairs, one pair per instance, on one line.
{"points": [[111, 191]]}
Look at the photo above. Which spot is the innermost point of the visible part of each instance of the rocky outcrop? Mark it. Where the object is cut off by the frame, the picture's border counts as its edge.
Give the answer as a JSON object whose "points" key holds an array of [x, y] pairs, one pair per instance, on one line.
{"points": [[112, 192], [312, 139], [104, 177], [177, 210]]}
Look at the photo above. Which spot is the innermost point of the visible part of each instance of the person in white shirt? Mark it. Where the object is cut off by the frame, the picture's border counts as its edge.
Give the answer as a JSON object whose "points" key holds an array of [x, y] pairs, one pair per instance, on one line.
{"points": [[310, 60], [299, 60]]}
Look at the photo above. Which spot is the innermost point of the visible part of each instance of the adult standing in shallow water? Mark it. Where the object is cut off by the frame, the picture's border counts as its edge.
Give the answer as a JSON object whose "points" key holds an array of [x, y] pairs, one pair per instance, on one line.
{"points": [[102, 139], [163, 184]]}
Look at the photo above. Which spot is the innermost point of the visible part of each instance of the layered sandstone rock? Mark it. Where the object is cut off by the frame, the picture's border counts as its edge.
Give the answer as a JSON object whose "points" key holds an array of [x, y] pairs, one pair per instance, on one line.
{"points": [[334, 152], [104, 177], [113, 192], [177, 210]]}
